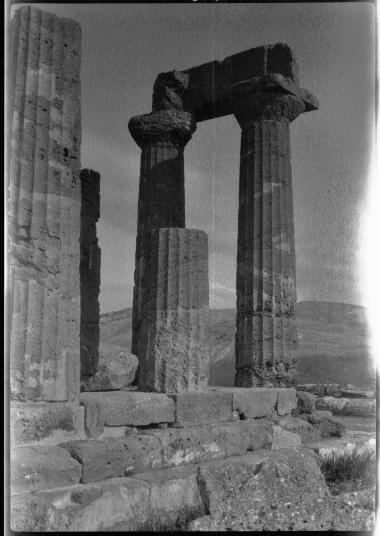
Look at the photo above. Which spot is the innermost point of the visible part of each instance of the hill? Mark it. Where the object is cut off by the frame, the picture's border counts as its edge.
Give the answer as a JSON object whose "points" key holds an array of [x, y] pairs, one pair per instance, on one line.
{"points": [[333, 342]]}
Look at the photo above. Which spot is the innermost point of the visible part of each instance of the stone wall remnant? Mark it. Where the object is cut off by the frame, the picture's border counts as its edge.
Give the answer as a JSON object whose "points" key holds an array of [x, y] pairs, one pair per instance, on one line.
{"points": [[44, 205], [90, 257], [173, 352]]}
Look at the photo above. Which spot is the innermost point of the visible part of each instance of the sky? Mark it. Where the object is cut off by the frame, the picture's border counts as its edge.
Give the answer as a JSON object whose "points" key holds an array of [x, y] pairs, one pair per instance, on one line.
{"points": [[125, 47]]}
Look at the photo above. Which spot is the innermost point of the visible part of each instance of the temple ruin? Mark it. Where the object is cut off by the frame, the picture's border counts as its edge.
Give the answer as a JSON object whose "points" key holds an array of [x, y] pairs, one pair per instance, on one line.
{"points": [[102, 460]]}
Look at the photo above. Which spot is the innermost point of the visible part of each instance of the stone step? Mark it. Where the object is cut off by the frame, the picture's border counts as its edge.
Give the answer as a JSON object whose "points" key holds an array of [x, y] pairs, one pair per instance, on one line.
{"points": [[216, 404], [145, 502]]}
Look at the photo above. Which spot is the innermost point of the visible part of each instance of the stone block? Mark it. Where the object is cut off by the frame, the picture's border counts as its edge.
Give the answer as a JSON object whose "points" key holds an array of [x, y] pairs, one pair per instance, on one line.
{"points": [[357, 393], [202, 407], [253, 402], [356, 406], [93, 417], [305, 402], [283, 439], [286, 401], [42, 467], [325, 424], [38, 421], [132, 408], [113, 372], [31, 513], [116, 457], [330, 403]]}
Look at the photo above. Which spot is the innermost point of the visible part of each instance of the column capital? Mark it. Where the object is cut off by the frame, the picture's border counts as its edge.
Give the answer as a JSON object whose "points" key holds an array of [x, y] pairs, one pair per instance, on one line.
{"points": [[174, 126], [270, 106]]}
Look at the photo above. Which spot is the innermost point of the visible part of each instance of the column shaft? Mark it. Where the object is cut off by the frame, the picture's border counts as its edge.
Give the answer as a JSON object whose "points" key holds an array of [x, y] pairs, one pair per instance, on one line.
{"points": [[266, 297], [173, 351], [44, 206]]}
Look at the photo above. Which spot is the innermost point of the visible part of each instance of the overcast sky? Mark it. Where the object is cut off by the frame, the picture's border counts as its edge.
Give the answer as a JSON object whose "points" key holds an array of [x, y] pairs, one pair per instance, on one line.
{"points": [[125, 46]]}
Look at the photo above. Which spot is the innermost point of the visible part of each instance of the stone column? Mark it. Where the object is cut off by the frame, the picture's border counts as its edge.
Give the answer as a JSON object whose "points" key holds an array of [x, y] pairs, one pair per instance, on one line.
{"points": [[266, 335], [173, 351], [162, 137], [44, 206], [90, 257]]}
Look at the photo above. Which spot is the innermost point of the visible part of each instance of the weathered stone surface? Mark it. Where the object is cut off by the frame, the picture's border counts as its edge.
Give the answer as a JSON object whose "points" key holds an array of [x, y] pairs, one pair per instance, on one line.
{"points": [[94, 416], [162, 137], [173, 351], [300, 426], [90, 258], [42, 467], [305, 402], [330, 403], [253, 403], [39, 421], [286, 401], [132, 408], [31, 513], [114, 372], [283, 439], [44, 206], [266, 333], [325, 424], [202, 407], [113, 457], [357, 406]]}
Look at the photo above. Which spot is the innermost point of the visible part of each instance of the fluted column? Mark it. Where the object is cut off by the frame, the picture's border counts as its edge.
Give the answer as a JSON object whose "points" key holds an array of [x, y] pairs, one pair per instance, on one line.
{"points": [[173, 349], [89, 273], [162, 137], [44, 205], [266, 334]]}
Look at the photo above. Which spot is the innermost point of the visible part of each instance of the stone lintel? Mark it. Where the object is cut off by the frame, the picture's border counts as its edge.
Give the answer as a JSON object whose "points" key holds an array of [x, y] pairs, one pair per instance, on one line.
{"points": [[207, 90]]}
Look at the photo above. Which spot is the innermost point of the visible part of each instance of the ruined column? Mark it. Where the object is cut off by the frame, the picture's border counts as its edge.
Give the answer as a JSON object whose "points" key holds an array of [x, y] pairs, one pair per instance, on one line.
{"points": [[44, 206], [173, 351], [266, 335], [90, 256], [162, 136]]}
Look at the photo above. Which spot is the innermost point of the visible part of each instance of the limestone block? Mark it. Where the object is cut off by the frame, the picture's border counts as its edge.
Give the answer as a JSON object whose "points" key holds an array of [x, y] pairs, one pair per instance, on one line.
{"points": [[42, 467], [94, 417], [37, 421], [113, 457], [300, 426], [202, 407], [356, 406], [286, 401], [173, 350], [113, 372], [283, 439], [329, 403], [357, 393], [132, 408], [305, 402], [253, 402], [325, 423]]}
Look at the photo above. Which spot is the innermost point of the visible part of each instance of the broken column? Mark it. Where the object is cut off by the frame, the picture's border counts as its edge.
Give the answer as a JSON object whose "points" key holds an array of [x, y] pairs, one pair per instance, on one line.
{"points": [[44, 206], [266, 335], [173, 351], [90, 256], [162, 136]]}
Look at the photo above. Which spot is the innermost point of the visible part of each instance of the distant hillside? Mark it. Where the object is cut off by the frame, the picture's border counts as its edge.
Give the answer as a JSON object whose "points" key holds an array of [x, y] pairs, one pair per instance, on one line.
{"points": [[333, 342]]}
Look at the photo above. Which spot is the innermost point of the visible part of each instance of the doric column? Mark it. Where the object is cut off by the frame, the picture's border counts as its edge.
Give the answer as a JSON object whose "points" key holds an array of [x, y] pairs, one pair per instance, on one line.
{"points": [[44, 206], [162, 137], [173, 350], [90, 256], [266, 335]]}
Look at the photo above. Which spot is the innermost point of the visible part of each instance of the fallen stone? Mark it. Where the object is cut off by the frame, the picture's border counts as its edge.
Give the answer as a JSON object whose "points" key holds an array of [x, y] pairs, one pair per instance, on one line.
{"points": [[286, 401], [202, 407], [325, 423], [330, 403], [39, 420], [283, 439], [113, 373], [357, 406], [42, 467], [349, 393], [115, 457], [299, 426], [133, 408], [305, 402], [276, 490], [314, 388]]}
